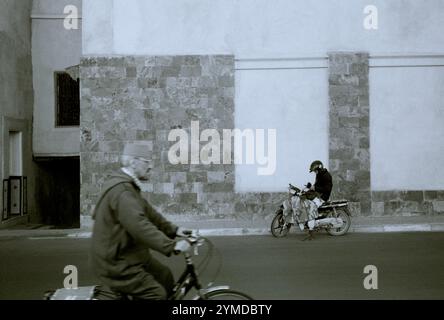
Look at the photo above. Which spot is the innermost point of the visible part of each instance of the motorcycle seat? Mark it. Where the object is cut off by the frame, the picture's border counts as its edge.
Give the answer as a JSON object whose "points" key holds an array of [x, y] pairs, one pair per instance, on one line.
{"points": [[333, 202]]}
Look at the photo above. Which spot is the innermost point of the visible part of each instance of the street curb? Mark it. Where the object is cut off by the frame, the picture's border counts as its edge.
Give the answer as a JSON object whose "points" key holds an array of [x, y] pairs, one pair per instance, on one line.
{"points": [[266, 231], [438, 227], [86, 233], [422, 227]]}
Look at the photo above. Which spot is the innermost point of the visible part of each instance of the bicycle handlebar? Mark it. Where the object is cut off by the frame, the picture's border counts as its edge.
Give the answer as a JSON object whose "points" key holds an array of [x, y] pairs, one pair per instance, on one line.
{"points": [[193, 239]]}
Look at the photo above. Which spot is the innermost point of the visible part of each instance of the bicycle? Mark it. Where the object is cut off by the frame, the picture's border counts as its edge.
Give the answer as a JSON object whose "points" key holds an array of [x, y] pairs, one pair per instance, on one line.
{"points": [[189, 278], [187, 281]]}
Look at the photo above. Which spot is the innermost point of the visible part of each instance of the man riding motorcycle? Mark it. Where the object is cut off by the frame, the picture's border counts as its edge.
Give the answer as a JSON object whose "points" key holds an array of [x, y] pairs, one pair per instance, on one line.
{"points": [[305, 208], [323, 183]]}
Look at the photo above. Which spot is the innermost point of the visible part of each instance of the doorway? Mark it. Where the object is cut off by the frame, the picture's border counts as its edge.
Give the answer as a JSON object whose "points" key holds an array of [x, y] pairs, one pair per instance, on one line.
{"points": [[58, 191]]}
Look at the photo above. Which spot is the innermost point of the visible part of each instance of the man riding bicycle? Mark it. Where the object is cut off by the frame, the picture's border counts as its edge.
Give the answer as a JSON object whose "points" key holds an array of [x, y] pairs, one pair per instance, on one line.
{"points": [[127, 228]]}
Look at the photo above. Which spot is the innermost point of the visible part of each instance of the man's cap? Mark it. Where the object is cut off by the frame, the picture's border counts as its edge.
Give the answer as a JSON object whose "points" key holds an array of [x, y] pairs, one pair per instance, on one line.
{"points": [[137, 150]]}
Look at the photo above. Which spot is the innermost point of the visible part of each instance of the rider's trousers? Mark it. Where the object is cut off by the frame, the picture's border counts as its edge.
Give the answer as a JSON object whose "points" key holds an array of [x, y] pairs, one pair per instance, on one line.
{"points": [[303, 209], [155, 283]]}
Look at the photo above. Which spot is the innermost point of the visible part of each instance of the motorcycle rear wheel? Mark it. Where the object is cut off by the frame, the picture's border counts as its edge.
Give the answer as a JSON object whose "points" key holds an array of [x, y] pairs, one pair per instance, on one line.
{"points": [[278, 227], [341, 214]]}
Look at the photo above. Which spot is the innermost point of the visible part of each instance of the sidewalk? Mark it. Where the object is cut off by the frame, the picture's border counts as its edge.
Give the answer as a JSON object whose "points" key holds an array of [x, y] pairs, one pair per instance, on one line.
{"points": [[234, 227]]}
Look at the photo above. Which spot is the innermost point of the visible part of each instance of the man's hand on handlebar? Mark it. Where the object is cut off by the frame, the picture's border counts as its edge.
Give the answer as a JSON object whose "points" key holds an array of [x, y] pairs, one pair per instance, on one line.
{"points": [[309, 186], [181, 246]]}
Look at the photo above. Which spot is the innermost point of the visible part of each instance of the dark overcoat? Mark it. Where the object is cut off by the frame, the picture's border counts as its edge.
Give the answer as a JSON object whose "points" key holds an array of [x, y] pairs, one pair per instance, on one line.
{"points": [[125, 228]]}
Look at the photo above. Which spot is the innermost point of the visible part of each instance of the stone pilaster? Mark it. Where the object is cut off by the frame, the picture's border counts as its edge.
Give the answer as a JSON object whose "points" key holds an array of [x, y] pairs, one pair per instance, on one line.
{"points": [[349, 142]]}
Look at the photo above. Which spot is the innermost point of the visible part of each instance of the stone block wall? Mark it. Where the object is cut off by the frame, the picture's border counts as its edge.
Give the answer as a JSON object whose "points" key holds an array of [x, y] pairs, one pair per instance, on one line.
{"points": [[142, 99], [407, 203], [349, 146]]}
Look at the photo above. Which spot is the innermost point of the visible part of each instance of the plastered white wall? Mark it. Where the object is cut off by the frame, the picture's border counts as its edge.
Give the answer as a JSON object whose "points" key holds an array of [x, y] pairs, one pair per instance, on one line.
{"points": [[406, 127], [54, 48], [295, 103], [260, 28], [279, 98]]}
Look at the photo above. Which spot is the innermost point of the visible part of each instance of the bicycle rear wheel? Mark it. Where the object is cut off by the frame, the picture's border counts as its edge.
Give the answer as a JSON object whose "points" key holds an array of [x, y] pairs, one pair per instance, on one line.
{"points": [[226, 294]]}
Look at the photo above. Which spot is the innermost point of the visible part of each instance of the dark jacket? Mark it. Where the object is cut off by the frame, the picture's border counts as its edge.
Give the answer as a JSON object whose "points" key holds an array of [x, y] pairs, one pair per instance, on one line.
{"points": [[126, 227], [323, 184]]}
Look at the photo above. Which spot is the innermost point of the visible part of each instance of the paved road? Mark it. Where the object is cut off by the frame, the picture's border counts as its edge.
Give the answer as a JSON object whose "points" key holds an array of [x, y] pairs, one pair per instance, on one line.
{"points": [[410, 265]]}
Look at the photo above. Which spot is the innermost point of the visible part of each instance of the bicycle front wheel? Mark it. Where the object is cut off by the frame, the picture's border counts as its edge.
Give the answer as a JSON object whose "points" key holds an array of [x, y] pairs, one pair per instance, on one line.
{"points": [[226, 294]]}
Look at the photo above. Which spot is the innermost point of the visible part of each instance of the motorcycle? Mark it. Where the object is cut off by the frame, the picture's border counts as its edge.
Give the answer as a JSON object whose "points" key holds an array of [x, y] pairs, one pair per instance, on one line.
{"points": [[333, 216]]}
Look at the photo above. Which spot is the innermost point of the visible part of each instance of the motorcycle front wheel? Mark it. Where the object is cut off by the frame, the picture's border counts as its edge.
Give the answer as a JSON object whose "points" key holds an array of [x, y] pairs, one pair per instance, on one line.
{"points": [[343, 215], [278, 227]]}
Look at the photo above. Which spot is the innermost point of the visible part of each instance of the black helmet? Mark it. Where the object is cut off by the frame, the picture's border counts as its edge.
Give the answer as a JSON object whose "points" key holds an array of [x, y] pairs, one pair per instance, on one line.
{"points": [[316, 165]]}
